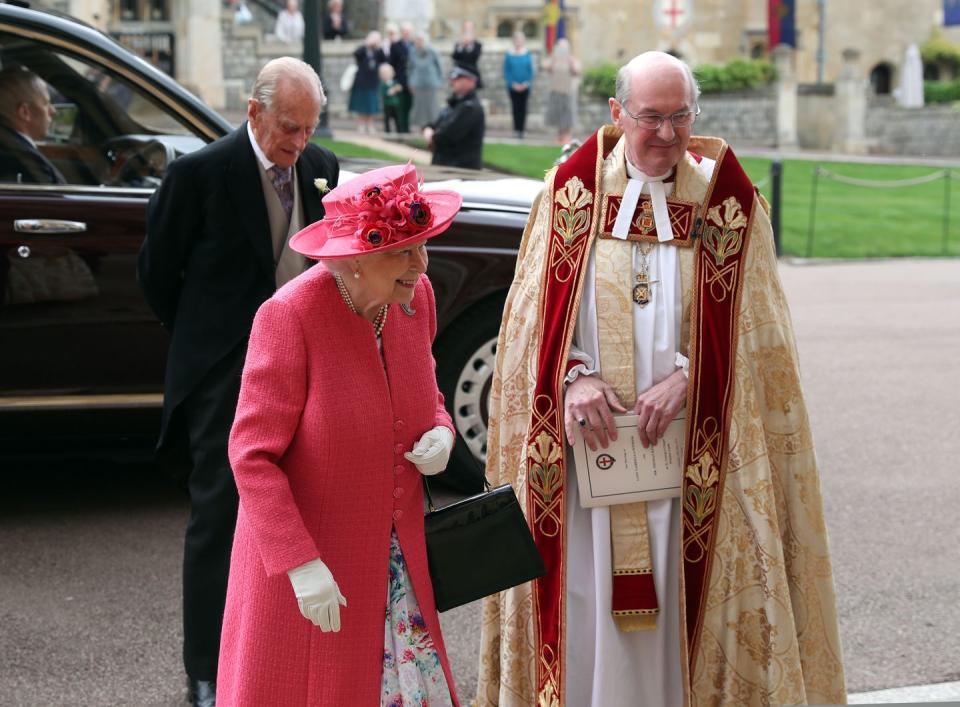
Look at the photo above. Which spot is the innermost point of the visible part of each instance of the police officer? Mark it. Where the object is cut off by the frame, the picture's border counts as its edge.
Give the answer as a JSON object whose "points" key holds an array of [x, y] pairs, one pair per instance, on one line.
{"points": [[456, 136]]}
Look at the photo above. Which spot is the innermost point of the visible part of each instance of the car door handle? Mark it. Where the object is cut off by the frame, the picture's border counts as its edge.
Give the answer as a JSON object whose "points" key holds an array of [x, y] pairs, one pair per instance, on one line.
{"points": [[48, 226]]}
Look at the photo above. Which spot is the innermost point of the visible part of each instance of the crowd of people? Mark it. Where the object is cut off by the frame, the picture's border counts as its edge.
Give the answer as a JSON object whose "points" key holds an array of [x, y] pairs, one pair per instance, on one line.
{"points": [[407, 95], [292, 443]]}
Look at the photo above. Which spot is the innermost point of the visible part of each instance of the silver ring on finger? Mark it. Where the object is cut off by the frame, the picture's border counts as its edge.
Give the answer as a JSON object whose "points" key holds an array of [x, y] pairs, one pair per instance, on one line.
{"points": [[582, 422]]}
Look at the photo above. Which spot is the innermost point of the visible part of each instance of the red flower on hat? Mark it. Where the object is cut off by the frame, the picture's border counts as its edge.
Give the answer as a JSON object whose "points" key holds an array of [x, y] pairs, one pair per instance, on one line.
{"points": [[375, 234], [387, 214], [420, 213]]}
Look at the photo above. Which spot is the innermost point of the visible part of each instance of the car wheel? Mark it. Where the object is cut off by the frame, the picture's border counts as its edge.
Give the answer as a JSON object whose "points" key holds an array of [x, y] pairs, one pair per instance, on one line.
{"points": [[466, 355]]}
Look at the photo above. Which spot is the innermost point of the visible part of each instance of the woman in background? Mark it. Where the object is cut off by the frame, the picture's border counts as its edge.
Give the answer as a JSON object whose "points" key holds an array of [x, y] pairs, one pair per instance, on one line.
{"points": [[425, 78], [518, 77], [364, 94], [563, 71]]}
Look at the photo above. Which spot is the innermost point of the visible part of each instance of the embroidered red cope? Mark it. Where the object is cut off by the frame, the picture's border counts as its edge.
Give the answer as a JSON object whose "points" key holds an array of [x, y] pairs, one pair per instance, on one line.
{"points": [[719, 230]]}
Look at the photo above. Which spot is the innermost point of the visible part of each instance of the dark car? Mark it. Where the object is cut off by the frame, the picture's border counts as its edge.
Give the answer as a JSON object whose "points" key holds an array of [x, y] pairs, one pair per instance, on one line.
{"points": [[81, 355]]}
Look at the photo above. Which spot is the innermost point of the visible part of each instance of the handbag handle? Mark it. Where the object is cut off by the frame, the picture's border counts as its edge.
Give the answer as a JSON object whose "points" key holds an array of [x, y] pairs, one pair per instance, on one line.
{"points": [[426, 487]]}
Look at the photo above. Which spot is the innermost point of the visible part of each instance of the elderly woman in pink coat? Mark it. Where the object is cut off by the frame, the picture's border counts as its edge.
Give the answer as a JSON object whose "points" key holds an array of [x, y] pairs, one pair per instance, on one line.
{"points": [[329, 600]]}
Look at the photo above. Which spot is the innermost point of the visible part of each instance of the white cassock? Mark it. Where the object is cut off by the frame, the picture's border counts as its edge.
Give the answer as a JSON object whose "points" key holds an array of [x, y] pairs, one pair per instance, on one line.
{"points": [[606, 667]]}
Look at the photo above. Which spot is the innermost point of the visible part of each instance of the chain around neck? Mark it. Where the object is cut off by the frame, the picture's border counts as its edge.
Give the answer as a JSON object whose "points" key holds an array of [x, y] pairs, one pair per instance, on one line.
{"points": [[379, 321]]}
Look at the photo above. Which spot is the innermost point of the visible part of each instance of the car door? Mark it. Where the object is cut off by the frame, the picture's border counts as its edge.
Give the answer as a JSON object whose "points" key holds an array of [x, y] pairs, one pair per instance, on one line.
{"points": [[74, 328]]}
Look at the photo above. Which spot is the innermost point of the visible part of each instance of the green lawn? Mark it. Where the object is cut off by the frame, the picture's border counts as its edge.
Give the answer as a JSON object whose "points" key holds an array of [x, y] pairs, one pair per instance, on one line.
{"points": [[526, 160], [352, 149], [850, 221]]}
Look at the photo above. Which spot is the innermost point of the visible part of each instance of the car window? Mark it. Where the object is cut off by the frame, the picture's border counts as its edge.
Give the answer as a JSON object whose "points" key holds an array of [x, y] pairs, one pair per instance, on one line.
{"points": [[104, 129]]}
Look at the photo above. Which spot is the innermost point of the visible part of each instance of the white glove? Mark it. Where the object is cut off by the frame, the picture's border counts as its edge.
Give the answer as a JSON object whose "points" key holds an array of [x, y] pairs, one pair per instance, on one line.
{"points": [[317, 593], [431, 454]]}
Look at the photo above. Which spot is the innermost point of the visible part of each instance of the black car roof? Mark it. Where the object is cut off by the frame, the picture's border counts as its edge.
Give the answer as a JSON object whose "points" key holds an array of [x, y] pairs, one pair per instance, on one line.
{"points": [[77, 35]]}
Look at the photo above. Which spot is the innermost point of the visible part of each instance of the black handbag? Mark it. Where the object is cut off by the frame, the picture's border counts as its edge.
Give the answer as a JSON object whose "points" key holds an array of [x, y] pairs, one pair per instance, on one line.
{"points": [[479, 546]]}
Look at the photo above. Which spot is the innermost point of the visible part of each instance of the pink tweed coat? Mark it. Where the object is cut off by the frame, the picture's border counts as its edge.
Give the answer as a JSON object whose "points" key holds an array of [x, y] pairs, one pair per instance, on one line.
{"points": [[317, 450]]}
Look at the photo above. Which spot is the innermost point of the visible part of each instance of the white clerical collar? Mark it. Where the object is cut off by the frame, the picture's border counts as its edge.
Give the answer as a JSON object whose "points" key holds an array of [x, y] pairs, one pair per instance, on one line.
{"points": [[261, 157], [631, 195]]}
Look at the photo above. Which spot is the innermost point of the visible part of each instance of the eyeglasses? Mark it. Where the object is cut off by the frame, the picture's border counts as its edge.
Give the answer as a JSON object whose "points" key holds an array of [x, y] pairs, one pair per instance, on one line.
{"points": [[653, 121]]}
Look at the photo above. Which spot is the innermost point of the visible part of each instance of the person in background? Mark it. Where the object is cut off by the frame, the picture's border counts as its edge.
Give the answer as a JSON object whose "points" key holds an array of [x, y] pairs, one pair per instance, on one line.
{"points": [[398, 56], [289, 27], [424, 79], [25, 117], [467, 50], [330, 599], [407, 35], [216, 249], [335, 25], [364, 94], [563, 76], [721, 594], [390, 92], [518, 77], [456, 136]]}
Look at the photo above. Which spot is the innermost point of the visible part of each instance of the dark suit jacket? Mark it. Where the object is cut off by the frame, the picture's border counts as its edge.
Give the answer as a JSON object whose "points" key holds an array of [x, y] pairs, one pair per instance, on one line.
{"points": [[398, 59], [22, 162], [207, 263], [458, 133]]}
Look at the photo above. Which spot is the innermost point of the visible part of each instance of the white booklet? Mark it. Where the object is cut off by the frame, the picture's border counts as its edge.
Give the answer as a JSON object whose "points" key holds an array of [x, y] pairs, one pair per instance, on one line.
{"points": [[625, 472]]}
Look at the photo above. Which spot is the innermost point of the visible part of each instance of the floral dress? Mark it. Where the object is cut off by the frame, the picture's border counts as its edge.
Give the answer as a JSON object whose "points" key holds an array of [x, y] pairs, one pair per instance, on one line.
{"points": [[412, 674]]}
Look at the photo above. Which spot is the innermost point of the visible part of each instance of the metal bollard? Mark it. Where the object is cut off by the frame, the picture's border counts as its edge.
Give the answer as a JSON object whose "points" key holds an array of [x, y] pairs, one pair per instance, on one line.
{"points": [[776, 174]]}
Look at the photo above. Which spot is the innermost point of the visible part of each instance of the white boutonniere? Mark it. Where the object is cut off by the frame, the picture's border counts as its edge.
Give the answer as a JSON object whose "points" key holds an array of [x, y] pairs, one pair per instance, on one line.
{"points": [[321, 185]]}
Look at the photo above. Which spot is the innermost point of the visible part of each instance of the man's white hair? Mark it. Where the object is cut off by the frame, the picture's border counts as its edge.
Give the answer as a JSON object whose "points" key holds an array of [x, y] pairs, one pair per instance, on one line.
{"points": [[644, 61], [284, 68]]}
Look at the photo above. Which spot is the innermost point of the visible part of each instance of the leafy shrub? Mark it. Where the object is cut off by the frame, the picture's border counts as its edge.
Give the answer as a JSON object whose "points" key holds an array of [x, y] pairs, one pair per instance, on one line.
{"points": [[601, 81], [736, 75], [939, 50], [941, 91]]}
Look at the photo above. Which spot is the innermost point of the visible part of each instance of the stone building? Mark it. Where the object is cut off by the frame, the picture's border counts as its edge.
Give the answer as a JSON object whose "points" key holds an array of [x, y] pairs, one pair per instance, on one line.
{"points": [[715, 31], [182, 37], [197, 42]]}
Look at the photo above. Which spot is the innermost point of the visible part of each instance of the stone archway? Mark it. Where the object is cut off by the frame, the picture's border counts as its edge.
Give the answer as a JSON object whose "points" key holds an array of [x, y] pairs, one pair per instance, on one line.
{"points": [[881, 78]]}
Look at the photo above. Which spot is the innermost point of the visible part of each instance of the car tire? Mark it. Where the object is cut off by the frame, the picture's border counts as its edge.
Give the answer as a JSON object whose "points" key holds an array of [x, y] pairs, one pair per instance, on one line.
{"points": [[466, 354]]}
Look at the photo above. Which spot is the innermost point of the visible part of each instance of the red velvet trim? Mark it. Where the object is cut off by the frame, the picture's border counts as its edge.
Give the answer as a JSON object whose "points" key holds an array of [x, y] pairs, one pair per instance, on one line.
{"points": [[634, 592], [559, 286], [696, 158], [712, 342]]}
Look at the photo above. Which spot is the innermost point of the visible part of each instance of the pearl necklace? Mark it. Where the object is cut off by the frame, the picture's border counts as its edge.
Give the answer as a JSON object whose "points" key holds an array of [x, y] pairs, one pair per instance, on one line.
{"points": [[379, 321]]}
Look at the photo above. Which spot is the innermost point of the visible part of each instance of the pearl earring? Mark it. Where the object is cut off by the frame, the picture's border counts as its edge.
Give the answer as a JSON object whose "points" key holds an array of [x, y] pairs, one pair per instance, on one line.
{"points": [[356, 274]]}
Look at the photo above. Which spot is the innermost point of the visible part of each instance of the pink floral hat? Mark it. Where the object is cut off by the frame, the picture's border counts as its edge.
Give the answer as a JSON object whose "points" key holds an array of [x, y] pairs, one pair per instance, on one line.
{"points": [[379, 210]]}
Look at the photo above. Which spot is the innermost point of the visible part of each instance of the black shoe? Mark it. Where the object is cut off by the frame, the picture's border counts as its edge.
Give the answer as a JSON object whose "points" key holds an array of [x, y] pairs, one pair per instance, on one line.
{"points": [[202, 693]]}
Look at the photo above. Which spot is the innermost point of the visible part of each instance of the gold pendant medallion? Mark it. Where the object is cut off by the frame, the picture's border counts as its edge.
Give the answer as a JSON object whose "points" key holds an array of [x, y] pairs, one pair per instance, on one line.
{"points": [[641, 293]]}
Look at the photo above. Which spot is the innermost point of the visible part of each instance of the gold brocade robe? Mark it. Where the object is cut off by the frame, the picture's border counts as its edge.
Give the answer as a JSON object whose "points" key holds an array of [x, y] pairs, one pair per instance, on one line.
{"points": [[768, 634]]}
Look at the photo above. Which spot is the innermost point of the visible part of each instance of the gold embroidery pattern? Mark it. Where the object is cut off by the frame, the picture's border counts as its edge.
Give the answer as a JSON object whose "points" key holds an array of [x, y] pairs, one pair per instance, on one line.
{"points": [[544, 474], [778, 375], [571, 221], [643, 227], [725, 237], [701, 498], [549, 695], [544, 470]]}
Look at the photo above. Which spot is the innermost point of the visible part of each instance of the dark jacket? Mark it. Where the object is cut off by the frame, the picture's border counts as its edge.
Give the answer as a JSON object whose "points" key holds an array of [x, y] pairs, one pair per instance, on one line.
{"points": [[469, 54], [399, 57], [458, 133], [331, 32], [21, 162], [367, 66], [207, 263]]}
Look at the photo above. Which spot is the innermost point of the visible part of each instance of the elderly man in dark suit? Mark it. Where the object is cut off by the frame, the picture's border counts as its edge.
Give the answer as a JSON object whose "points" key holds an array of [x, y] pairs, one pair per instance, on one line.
{"points": [[216, 249], [25, 116]]}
